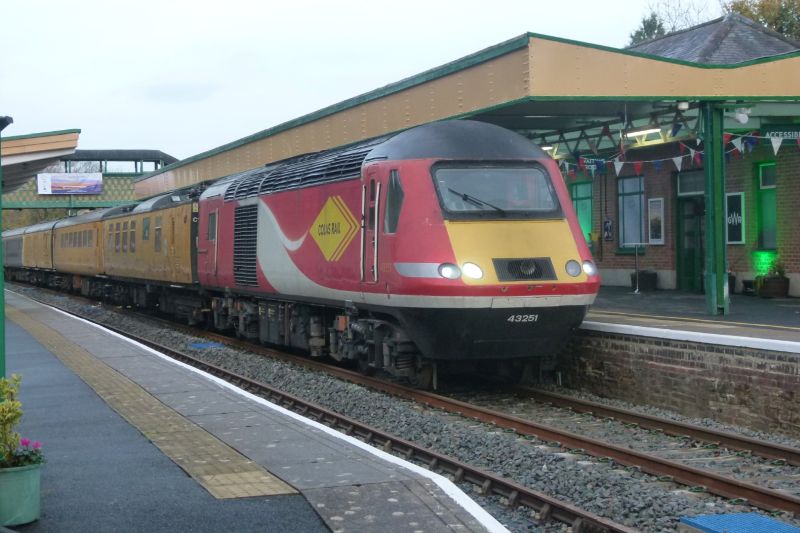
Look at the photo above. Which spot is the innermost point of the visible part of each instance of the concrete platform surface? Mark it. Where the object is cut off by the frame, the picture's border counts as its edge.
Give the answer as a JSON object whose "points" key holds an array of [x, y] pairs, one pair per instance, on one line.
{"points": [[136, 442]]}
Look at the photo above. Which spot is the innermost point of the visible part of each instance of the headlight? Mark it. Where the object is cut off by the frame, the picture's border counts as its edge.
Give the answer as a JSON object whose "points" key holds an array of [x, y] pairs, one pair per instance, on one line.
{"points": [[573, 268], [590, 268], [449, 271], [471, 270]]}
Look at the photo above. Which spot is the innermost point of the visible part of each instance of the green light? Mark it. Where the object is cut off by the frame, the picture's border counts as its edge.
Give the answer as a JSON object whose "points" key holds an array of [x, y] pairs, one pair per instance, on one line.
{"points": [[762, 261]]}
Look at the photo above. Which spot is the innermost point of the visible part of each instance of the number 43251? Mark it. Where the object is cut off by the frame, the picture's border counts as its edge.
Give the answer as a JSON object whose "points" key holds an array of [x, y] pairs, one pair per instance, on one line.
{"points": [[523, 318]]}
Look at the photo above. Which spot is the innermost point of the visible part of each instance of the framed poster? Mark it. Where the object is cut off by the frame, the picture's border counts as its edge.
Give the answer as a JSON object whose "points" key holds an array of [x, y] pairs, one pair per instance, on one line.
{"points": [[655, 220], [734, 218]]}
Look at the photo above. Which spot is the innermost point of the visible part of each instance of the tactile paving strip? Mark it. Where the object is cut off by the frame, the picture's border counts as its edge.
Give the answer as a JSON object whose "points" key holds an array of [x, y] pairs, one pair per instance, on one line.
{"points": [[220, 469]]}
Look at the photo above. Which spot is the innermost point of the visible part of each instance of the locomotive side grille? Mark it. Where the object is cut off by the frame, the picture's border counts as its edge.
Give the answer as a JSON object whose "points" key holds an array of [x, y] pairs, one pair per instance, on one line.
{"points": [[244, 245], [534, 268], [302, 171]]}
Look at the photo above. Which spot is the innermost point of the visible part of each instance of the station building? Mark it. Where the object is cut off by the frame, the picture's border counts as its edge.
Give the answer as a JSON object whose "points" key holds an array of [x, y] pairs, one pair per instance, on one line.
{"points": [[681, 154]]}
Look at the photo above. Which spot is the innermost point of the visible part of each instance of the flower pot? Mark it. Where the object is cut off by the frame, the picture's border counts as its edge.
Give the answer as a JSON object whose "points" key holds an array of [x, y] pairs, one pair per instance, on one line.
{"points": [[20, 495], [773, 287]]}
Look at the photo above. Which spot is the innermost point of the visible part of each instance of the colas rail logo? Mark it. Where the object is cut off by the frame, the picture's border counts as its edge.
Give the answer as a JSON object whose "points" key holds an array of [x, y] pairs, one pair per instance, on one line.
{"points": [[334, 228]]}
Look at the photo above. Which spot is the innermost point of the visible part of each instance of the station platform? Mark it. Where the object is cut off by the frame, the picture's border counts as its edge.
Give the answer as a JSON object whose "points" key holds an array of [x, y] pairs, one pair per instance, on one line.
{"points": [[762, 323], [137, 442]]}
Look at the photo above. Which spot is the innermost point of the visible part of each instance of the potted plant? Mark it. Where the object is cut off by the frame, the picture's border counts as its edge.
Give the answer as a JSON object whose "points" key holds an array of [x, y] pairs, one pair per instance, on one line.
{"points": [[773, 284], [20, 462]]}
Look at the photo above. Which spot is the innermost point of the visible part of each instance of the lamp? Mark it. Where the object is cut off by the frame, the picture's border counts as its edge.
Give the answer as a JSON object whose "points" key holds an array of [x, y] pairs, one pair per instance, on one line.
{"points": [[742, 114], [640, 132]]}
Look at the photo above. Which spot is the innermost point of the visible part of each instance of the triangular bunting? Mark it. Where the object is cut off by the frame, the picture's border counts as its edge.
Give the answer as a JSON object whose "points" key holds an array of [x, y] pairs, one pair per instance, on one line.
{"points": [[678, 162], [682, 147], [737, 142], [637, 167], [698, 159], [726, 138], [691, 154], [676, 128], [776, 144], [657, 164], [618, 166]]}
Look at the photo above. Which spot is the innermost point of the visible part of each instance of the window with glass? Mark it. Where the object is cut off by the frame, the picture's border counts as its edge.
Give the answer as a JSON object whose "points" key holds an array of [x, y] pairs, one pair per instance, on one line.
{"points": [[581, 194], [124, 236], [110, 236], [630, 197], [133, 236], [211, 232], [157, 235], [767, 208], [146, 229], [472, 192], [394, 201]]}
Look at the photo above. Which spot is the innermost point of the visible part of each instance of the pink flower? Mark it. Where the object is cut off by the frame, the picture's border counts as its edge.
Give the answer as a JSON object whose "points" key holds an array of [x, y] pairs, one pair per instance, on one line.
{"points": [[37, 445], [25, 442]]}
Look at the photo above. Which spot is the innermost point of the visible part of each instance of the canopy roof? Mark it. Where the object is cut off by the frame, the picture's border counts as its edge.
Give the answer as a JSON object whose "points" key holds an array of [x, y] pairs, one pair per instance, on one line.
{"points": [[23, 156], [547, 88]]}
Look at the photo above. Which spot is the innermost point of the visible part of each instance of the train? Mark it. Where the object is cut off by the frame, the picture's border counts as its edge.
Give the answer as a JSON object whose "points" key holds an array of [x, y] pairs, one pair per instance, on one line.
{"points": [[452, 244]]}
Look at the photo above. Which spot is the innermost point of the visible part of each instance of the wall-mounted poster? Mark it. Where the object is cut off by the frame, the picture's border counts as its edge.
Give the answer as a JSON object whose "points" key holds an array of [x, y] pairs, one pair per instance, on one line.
{"points": [[655, 220], [70, 183], [734, 218]]}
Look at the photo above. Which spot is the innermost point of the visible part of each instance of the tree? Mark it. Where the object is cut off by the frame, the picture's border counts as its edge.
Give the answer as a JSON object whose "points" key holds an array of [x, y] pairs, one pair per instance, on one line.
{"points": [[782, 16], [667, 16], [652, 27]]}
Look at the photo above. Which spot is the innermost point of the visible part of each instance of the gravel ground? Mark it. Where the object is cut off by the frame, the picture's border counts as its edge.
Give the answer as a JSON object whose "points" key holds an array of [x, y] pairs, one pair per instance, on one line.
{"points": [[629, 497]]}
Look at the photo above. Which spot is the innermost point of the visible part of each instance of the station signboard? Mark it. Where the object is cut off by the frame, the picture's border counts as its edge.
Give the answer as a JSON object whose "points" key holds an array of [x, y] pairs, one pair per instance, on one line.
{"points": [[70, 183]]}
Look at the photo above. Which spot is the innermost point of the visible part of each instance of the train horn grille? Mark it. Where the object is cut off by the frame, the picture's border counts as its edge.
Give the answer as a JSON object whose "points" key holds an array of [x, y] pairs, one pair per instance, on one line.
{"points": [[244, 245], [534, 268]]}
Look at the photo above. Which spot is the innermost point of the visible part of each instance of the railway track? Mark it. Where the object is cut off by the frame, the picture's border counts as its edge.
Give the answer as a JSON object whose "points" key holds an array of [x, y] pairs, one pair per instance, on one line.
{"points": [[488, 484], [667, 469]]}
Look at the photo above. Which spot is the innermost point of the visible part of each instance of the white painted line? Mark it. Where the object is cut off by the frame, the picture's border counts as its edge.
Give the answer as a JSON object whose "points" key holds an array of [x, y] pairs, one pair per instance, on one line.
{"points": [[694, 336], [447, 486]]}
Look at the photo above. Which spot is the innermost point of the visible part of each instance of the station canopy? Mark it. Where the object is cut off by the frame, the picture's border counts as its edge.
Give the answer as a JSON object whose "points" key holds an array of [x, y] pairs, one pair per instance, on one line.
{"points": [[24, 156], [572, 96]]}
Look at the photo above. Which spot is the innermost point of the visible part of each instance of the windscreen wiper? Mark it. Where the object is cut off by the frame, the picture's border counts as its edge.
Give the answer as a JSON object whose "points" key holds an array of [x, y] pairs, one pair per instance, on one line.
{"points": [[476, 201]]}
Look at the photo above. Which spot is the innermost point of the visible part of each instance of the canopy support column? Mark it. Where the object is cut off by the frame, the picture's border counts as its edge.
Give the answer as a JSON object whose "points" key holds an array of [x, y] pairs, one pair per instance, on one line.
{"points": [[716, 274]]}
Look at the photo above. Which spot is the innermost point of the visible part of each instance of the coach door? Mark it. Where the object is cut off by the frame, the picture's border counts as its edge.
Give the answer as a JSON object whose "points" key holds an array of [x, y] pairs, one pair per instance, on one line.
{"points": [[370, 215], [208, 250]]}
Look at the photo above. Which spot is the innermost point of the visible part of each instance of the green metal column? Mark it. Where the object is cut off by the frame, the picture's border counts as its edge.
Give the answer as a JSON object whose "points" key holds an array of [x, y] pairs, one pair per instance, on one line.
{"points": [[4, 121], [716, 272]]}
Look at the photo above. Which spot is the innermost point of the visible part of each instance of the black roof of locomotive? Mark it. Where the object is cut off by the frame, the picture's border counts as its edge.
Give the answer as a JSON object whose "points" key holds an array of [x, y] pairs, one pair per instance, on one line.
{"points": [[453, 139], [458, 139]]}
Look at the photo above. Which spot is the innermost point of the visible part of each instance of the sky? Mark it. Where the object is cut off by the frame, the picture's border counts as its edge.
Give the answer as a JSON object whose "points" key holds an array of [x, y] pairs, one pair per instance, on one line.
{"points": [[184, 77]]}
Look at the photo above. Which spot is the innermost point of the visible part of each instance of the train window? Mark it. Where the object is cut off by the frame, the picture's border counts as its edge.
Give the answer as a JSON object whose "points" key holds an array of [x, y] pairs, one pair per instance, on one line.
{"points": [[110, 236], [124, 236], [212, 226], [157, 236], [394, 201], [146, 229], [371, 218], [63, 240], [496, 191], [133, 236], [116, 238], [90, 237]]}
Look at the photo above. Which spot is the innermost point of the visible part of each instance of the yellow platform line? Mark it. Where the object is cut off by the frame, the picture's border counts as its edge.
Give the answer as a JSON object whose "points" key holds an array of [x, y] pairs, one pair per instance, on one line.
{"points": [[221, 470]]}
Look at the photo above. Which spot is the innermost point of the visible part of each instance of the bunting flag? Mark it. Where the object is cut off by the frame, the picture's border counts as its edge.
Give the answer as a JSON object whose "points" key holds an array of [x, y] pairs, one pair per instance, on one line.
{"points": [[737, 143], [637, 167], [776, 144], [657, 165], [698, 158], [691, 154], [676, 128], [678, 162], [618, 166], [726, 137], [682, 147]]}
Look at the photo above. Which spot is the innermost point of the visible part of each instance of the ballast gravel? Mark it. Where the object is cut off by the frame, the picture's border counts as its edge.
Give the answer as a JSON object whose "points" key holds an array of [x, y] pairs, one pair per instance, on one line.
{"points": [[622, 495]]}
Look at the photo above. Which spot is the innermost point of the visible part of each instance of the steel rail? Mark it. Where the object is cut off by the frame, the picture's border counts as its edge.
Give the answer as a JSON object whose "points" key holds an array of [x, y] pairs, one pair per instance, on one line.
{"points": [[694, 477], [515, 494], [723, 486], [671, 427]]}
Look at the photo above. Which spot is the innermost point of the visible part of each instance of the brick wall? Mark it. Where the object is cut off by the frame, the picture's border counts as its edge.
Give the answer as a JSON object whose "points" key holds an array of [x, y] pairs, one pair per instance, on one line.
{"points": [[746, 387]]}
